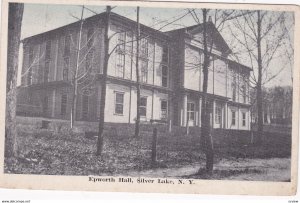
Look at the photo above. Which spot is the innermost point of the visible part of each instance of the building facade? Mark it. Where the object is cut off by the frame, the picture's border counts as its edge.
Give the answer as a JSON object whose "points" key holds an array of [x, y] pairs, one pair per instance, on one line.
{"points": [[170, 75]]}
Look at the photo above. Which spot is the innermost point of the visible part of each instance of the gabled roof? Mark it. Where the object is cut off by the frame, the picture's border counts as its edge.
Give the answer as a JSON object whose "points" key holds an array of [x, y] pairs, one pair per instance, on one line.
{"points": [[212, 30]]}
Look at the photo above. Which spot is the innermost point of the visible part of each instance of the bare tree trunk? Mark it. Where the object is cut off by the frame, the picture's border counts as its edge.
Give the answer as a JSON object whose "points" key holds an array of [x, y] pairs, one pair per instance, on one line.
{"points": [[103, 84], [14, 31], [75, 79], [74, 105], [138, 88], [259, 82], [206, 139]]}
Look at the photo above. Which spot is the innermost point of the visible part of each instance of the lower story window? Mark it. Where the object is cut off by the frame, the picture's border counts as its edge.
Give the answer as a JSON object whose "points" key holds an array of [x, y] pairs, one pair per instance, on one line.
{"points": [[218, 114], [191, 111], [244, 119], [164, 109], [45, 105], [63, 107], [119, 103], [143, 106], [85, 106], [233, 117]]}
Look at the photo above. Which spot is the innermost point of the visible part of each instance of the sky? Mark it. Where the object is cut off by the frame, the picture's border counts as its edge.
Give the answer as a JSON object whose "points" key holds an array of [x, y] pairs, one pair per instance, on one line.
{"points": [[39, 18]]}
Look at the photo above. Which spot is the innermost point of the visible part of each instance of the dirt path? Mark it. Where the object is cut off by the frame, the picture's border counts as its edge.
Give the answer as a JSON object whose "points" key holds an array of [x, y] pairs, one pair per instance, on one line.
{"points": [[275, 169]]}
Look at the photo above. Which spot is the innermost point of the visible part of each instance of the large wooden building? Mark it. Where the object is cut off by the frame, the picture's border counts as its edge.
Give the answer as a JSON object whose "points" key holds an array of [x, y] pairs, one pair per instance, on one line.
{"points": [[170, 65]]}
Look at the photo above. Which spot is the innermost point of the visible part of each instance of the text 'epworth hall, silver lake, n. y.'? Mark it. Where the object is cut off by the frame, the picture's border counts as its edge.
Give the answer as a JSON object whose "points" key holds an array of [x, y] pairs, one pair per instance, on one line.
{"points": [[170, 75]]}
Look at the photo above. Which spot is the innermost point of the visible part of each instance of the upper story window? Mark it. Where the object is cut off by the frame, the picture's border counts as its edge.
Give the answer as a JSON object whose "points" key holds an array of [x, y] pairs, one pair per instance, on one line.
{"points": [[144, 47], [30, 65], [90, 38], [129, 42], [66, 68], [29, 77], [244, 92], [30, 55], [234, 87], [120, 63], [67, 48], [144, 71], [46, 71], [48, 50], [120, 60], [89, 61], [165, 54], [121, 41], [164, 76]]}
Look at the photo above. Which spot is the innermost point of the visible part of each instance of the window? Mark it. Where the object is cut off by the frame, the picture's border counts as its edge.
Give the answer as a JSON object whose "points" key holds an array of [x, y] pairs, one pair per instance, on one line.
{"points": [[244, 93], [165, 54], [164, 77], [143, 106], [67, 48], [218, 114], [63, 106], [244, 119], [121, 41], [119, 103], [233, 91], [233, 117], [191, 111], [164, 109], [128, 45], [30, 55], [30, 65], [144, 48], [233, 86], [85, 106], [45, 105], [144, 71], [89, 60], [90, 38], [48, 50], [66, 68], [46, 71], [29, 76], [120, 65]]}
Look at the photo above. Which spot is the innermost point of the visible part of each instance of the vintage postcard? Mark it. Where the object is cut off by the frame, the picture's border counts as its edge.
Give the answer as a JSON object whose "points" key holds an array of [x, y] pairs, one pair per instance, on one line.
{"points": [[133, 96]]}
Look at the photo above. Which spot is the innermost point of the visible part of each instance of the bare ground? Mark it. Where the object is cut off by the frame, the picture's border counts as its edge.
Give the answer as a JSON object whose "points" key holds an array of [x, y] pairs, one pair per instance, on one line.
{"points": [[274, 169], [64, 153]]}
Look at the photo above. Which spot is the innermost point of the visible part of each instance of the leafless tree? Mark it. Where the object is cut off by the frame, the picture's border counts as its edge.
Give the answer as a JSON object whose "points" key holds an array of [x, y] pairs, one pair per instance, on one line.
{"points": [[14, 32], [82, 77], [138, 88], [204, 18], [103, 82], [261, 34]]}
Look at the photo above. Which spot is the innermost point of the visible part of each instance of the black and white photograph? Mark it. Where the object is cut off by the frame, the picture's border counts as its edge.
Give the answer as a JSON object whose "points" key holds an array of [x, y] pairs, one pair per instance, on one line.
{"points": [[150, 94]]}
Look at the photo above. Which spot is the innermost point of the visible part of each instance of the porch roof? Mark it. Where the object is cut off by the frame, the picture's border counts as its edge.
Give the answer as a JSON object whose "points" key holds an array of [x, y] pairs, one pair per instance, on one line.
{"points": [[201, 94]]}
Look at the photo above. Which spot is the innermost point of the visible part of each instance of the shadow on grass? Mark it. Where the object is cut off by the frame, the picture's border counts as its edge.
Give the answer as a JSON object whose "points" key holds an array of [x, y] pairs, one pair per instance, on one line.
{"points": [[221, 173]]}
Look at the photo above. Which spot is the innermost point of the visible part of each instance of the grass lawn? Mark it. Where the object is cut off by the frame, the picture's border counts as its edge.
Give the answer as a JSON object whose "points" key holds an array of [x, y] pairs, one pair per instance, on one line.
{"points": [[46, 152]]}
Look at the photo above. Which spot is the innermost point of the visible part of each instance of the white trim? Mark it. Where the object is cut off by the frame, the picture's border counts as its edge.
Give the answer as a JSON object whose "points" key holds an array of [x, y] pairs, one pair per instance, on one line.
{"points": [[115, 102]]}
